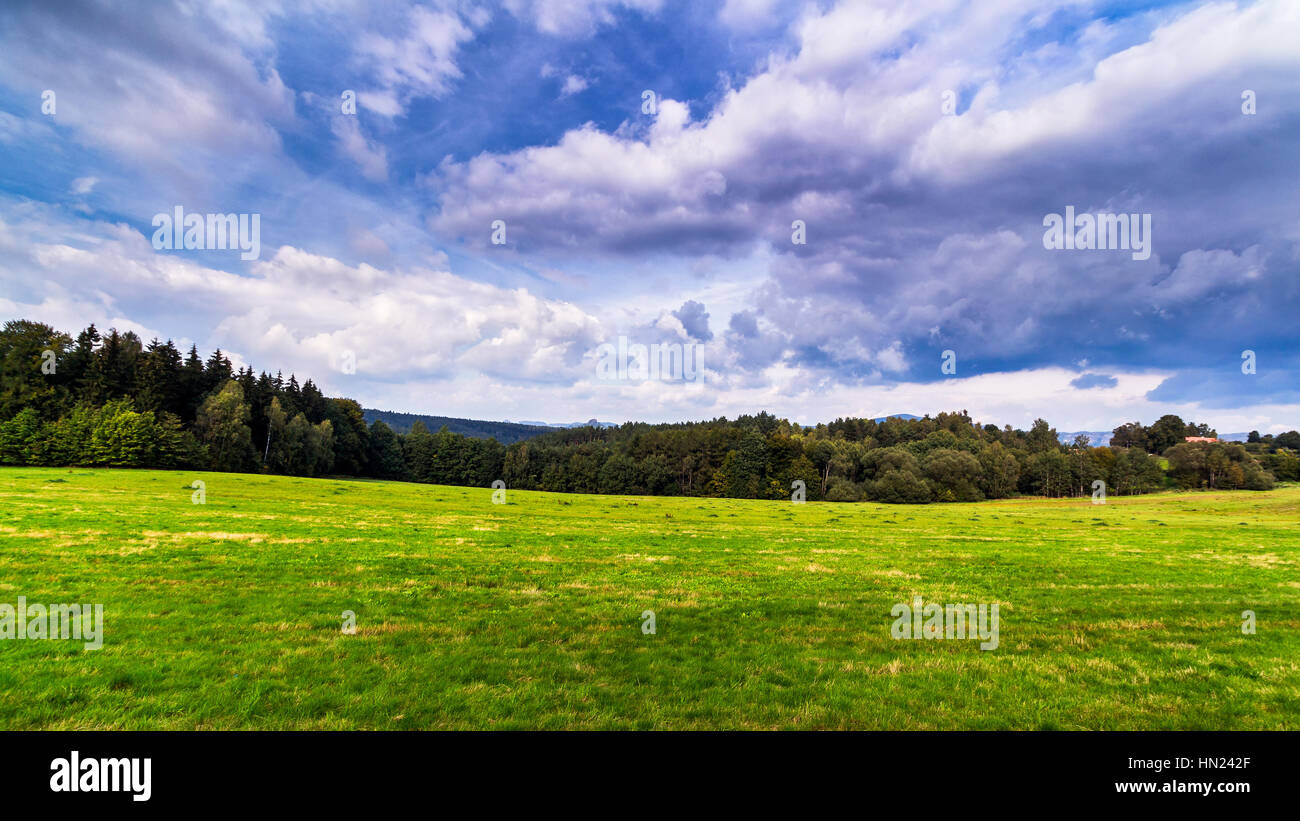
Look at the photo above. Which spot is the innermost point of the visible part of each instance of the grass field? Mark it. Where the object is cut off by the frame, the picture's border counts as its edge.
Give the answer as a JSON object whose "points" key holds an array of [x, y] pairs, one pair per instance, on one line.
{"points": [[528, 614]]}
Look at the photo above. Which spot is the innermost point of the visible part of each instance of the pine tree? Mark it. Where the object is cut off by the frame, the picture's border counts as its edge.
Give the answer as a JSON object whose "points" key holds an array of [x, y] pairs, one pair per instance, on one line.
{"points": [[217, 371], [421, 456], [191, 385], [313, 403], [350, 436], [176, 447], [158, 379], [78, 364], [384, 457]]}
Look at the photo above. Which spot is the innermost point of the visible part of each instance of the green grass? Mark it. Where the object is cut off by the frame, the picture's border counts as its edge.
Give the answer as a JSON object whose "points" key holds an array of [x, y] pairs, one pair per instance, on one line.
{"points": [[527, 615]]}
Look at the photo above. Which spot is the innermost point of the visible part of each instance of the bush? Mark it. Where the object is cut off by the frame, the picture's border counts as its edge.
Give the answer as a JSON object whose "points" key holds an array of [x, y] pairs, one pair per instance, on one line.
{"points": [[899, 487], [67, 441], [839, 489], [123, 438], [18, 438], [954, 476]]}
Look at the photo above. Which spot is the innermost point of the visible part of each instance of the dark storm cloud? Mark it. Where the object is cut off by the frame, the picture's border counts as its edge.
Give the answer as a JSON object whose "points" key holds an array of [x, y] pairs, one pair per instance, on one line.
{"points": [[695, 319], [927, 231]]}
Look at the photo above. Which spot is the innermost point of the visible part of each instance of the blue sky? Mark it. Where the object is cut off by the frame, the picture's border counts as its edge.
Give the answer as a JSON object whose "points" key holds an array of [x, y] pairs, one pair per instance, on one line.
{"points": [[924, 225]]}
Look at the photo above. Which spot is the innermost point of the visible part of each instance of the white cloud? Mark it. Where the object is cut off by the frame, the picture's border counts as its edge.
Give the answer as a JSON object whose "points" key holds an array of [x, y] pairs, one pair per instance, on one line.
{"points": [[746, 14], [212, 98], [371, 157], [572, 18], [428, 340], [844, 131], [420, 64], [1125, 90], [14, 129], [297, 310], [573, 84]]}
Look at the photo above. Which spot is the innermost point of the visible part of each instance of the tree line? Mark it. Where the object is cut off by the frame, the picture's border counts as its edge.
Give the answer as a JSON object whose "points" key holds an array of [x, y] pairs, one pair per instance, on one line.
{"points": [[111, 400]]}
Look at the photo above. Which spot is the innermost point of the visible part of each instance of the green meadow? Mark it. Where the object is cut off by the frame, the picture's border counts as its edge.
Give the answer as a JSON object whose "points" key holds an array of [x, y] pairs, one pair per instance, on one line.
{"points": [[528, 614]]}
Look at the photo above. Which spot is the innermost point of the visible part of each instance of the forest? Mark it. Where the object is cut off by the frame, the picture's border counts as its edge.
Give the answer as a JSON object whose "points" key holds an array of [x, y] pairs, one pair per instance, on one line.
{"points": [[109, 399]]}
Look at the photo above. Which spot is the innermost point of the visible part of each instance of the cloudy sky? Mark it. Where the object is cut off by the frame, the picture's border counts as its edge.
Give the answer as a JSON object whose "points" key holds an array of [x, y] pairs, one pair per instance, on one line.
{"points": [[649, 160]]}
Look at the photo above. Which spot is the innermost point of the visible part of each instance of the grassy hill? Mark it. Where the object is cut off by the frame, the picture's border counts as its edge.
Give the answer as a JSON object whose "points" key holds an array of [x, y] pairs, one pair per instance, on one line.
{"points": [[528, 614]]}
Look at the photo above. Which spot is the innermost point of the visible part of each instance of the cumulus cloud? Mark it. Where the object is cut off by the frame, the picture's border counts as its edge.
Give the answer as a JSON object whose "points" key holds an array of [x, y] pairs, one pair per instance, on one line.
{"points": [[695, 320], [299, 310], [923, 224], [427, 339]]}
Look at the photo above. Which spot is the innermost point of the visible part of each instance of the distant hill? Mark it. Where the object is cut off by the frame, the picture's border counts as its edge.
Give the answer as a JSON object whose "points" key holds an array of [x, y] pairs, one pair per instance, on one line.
{"points": [[504, 432], [590, 423], [880, 419], [1101, 438], [1096, 438]]}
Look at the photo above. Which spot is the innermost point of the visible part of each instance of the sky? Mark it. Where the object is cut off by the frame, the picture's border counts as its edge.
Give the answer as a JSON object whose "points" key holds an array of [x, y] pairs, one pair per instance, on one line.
{"points": [[839, 207]]}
